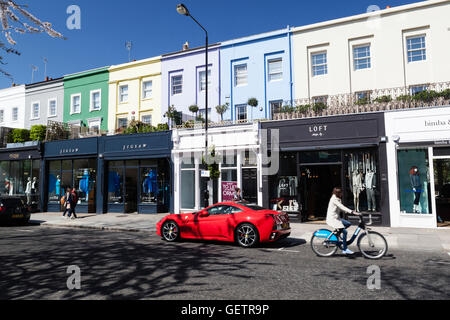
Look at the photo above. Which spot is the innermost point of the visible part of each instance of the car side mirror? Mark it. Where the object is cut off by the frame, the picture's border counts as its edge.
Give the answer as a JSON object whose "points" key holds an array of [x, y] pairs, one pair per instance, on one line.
{"points": [[203, 213]]}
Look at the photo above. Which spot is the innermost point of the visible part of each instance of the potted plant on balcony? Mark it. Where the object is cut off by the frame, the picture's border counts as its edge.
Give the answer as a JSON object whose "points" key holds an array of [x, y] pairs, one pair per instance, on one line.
{"points": [[252, 102], [222, 109]]}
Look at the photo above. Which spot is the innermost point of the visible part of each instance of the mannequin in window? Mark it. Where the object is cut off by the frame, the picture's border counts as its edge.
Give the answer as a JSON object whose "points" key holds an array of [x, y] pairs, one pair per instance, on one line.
{"points": [[58, 186], [357, 184], [34, 186], [11, 187], [370, 183], [84, 184], [28, 190], [416, 185], [150, 185], [7, 183]]}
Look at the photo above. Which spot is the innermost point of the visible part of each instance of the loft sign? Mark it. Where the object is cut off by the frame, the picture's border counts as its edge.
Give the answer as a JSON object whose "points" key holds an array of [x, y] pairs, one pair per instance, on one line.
{"points": [[318, 130]]}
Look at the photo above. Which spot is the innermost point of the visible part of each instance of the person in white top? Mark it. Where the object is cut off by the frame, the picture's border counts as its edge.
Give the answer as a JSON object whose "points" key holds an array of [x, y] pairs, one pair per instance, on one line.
{"points": [[334, 220]]}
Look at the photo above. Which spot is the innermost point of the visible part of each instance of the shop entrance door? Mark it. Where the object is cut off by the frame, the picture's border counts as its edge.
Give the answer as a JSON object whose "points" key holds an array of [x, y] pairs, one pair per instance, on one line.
{"points": [[249, 185], [131, 191], [316, 185], [442, 191]]}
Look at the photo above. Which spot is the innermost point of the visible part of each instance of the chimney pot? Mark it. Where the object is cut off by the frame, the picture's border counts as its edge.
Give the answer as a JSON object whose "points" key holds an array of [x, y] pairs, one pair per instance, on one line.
{"points": [[186, 46]]}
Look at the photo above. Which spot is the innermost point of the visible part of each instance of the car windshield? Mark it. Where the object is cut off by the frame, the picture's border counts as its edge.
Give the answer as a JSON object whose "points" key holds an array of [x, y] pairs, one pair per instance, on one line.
{"points": [[253, 207]]}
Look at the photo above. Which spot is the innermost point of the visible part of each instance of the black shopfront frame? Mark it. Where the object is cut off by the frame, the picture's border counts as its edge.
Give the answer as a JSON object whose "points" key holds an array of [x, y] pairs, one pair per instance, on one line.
{"points": [[132, 151], [342, 134]]}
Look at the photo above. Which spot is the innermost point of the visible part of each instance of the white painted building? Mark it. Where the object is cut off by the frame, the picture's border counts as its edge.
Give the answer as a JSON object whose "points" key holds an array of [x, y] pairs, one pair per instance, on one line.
{"points": [[419, 139], [401, 47], [12, 107], [237, 148]]}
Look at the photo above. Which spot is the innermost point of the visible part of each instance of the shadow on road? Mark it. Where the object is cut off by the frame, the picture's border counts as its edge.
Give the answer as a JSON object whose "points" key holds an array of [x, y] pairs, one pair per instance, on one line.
{"points": [[113, 268]]}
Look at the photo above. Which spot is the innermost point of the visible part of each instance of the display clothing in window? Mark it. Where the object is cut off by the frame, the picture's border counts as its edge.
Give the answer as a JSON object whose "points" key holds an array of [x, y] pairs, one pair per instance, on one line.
{"points": [[150, 184]]}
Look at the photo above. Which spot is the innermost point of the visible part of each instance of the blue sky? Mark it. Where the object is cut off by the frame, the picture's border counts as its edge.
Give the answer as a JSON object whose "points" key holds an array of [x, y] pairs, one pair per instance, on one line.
{"points": [[155, 28]]}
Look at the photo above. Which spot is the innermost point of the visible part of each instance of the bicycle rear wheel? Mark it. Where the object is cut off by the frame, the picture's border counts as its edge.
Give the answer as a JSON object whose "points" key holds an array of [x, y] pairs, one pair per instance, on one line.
{"points": [[323, 247], [374, 246]]}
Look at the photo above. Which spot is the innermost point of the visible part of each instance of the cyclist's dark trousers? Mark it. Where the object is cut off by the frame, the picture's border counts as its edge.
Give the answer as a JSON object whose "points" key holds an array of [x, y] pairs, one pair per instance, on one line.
{"points": [[344, 232]]}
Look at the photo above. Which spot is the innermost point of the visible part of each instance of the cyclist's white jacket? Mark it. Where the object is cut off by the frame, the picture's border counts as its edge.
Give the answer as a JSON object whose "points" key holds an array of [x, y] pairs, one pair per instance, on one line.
{"points": [[335, 207]]}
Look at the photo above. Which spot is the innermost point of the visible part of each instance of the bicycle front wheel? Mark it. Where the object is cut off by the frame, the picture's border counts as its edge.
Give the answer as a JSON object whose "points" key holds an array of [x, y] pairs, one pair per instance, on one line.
{"points": [[323, 247], [372, 246]]}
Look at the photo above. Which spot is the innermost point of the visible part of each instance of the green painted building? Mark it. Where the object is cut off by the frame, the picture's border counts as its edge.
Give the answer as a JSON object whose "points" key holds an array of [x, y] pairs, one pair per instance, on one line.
{"points": [[86, 98]]}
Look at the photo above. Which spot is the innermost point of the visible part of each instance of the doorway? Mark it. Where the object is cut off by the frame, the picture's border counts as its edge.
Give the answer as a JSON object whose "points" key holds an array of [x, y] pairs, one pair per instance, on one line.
{"points": [[249, 185], [316, 185], [442, 191]]}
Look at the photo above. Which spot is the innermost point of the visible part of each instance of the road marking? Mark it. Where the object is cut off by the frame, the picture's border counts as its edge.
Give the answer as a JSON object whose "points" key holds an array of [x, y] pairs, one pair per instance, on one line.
{"points": [[25, 230], [283, 250]]}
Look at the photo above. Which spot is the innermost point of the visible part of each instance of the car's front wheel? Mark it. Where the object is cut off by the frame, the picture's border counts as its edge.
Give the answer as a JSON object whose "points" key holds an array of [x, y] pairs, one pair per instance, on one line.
{"points": [[246, 235], [170, 231]]}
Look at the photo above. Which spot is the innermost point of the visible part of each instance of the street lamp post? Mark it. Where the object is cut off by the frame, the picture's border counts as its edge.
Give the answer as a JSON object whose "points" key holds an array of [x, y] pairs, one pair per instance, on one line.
{"points": [[181, 8]]}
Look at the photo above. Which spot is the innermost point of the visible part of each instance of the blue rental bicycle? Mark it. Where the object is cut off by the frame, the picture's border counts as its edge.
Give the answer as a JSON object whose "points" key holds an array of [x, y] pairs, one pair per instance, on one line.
{"points": [[372, 245]]}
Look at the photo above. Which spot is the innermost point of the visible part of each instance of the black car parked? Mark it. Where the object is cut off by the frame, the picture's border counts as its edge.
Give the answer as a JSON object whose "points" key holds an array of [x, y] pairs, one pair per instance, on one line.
{"points": [[13, 210]]}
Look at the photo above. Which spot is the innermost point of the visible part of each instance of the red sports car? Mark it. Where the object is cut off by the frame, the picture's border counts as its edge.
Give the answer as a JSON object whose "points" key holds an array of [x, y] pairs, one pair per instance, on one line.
{"points": [[245, 224]]}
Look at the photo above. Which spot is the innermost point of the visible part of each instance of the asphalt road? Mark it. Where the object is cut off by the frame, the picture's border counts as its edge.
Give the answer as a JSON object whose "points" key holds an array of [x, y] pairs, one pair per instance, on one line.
{"points": [[120, 265]]}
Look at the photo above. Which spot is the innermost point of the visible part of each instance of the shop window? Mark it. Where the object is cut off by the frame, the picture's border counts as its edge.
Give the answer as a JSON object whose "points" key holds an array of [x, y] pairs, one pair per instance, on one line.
{"points": [[85, 174], [284, 185], [414, 181], [55, 191], [115, 182], [150, 186], [361, 180]]}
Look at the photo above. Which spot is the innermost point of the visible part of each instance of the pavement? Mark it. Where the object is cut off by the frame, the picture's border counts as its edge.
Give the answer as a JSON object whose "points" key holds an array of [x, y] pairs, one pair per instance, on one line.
{"points": [[411, 239]]}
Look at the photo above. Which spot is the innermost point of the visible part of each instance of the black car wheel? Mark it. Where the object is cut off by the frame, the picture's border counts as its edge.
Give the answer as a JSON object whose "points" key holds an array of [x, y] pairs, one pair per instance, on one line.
{"points": [[170, 231], [247, 235]]}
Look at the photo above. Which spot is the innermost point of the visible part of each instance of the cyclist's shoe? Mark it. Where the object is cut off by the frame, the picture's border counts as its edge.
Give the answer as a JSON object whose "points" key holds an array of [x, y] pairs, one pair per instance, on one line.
{"points": [[348, 251]]}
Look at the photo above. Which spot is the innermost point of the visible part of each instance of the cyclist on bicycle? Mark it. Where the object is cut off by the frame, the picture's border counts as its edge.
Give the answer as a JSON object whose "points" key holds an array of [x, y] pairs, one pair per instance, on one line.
{"points": [[335, 207]]}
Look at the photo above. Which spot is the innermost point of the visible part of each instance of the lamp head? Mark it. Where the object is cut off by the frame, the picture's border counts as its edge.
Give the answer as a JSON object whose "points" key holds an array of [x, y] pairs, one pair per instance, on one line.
{"points": [[181, 8]]}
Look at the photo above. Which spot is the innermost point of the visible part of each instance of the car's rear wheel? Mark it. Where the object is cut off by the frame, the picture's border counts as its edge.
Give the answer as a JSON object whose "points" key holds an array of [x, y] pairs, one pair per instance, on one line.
{"points": [[170, 231], [247, 235]]}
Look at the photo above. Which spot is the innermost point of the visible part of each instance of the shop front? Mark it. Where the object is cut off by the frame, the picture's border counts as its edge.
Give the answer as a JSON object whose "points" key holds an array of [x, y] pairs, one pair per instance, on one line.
{"points": [[235, 161], [319, 154], [71, 164], [20, 173], [419, 167], [137, 173]]}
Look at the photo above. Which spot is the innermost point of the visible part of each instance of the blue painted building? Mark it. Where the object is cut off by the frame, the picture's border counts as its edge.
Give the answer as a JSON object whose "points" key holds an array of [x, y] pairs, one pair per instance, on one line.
{"points": [[258, 67]]}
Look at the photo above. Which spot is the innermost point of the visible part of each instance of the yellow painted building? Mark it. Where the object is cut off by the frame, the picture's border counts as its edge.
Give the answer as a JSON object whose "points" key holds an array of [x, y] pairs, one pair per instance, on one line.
{"points": [[135, 93]]}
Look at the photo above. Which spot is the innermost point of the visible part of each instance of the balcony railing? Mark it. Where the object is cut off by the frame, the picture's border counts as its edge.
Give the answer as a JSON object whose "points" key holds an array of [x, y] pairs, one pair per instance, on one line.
{"points": [[437, 94]]}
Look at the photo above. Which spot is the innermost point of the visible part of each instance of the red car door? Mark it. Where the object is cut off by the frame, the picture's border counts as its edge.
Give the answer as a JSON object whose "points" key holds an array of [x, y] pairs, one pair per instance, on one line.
{"points": [[213, 225]]}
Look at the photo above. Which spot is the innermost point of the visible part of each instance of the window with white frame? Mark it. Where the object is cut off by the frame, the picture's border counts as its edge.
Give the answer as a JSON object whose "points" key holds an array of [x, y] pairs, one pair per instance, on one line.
{"points": [[75, 104], [241, 112], [275, 69], [35, 110], [122, 123], [240, 75], [147, 119], [361, 57], [94, 125], [147, 89], [52, 108], [319, 64], [15, 114], [416, 47], [275, 106], [202, 79], [177, 84], [418, 88], [123, 93], [96, 100], [2, 116]]}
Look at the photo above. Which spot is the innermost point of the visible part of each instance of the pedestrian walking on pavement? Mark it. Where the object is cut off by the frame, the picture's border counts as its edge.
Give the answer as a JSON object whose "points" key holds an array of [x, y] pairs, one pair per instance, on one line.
{"points": [[74, 203], [68, 200]]}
